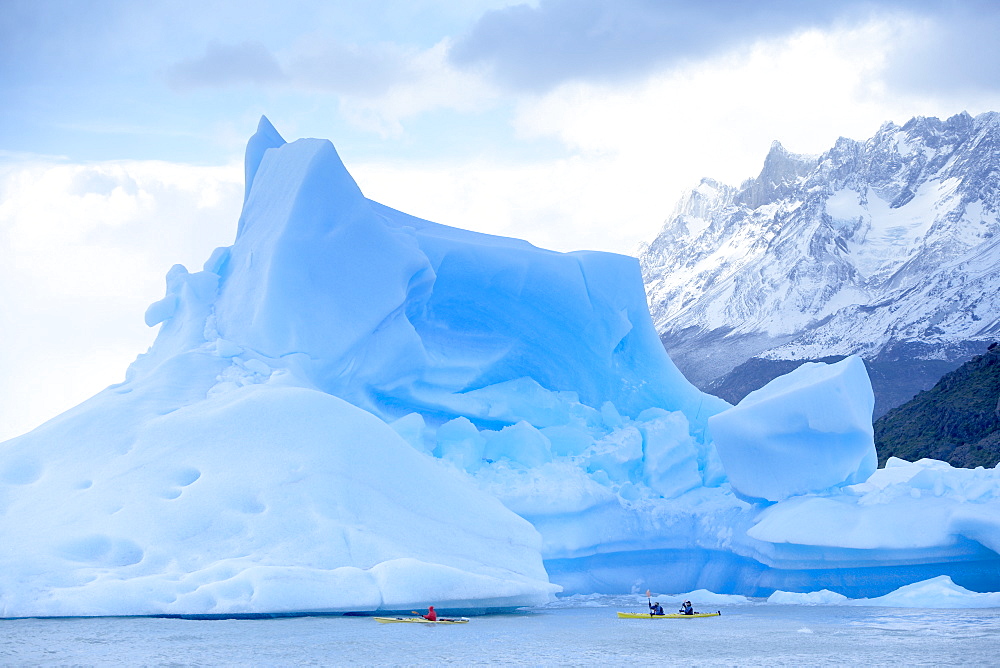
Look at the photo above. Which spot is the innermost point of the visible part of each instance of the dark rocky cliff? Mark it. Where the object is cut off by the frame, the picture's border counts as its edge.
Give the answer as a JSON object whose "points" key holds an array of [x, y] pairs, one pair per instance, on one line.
{"points": [[957, 421]]}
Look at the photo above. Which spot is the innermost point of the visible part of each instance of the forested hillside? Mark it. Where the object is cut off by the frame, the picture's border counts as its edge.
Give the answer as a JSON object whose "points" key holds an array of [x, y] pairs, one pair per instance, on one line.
{"points": [[957, 421]]}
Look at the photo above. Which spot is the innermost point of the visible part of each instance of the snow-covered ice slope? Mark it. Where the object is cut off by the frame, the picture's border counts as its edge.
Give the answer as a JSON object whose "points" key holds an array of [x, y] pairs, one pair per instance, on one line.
{"points": [[263, 498], [352, 409]]}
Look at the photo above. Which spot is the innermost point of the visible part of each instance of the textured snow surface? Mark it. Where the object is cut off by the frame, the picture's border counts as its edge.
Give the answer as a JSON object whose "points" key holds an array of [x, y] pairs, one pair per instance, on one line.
{"points": [[352, 409], [264, 498]]}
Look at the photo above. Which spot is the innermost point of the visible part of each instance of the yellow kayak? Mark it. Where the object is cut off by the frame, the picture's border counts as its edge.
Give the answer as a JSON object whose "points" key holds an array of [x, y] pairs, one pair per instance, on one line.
{"points": [[646, 615], [421, 620]]}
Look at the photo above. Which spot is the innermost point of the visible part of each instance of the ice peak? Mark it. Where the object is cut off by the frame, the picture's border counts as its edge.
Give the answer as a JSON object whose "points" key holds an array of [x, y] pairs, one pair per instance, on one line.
{"points": [[266, 137], [265, 127]]}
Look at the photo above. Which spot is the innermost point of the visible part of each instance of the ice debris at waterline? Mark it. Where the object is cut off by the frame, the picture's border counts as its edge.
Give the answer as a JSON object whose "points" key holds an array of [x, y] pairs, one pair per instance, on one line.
{"points": [[352, 409], [939, 592]]}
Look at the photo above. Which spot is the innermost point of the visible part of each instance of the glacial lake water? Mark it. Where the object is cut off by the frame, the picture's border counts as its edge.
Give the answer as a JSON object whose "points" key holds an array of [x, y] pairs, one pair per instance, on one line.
{"points": [[564, 634]]}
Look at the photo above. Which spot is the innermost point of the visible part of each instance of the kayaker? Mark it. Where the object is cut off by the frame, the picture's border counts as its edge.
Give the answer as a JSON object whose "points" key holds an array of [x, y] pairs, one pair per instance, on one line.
{"points": [[431, 616], [656, 609], [686, 609]]}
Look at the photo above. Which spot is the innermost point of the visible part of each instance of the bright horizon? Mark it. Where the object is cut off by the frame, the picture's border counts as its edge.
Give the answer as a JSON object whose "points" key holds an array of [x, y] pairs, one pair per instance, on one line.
{"points": [[572, 124]]}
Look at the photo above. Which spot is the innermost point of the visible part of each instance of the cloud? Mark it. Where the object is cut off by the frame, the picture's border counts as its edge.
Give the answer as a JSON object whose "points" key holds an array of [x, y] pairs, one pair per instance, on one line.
{"points": [[430, 83], [537, 48], [224, 65], [808, 88], [567, 204], [378, 86], [953, 50], [321, 63], [375, 86]]}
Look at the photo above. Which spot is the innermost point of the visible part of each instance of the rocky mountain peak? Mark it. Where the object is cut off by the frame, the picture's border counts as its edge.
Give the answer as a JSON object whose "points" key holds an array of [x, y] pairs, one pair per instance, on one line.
{"points": [[776, 179], [884, 247]]}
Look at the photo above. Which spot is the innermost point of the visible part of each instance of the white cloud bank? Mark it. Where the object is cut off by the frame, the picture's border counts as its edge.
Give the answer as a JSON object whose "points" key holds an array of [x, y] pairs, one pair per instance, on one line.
{"points": [[86, 249]]}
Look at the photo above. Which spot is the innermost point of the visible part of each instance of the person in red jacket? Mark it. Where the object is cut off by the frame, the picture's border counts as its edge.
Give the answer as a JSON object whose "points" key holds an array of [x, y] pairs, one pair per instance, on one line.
{"points": [[431, 616]]}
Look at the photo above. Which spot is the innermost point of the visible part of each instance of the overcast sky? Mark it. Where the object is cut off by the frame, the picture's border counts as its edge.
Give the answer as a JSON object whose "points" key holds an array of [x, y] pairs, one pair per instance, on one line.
{"points": [[570, 123]]}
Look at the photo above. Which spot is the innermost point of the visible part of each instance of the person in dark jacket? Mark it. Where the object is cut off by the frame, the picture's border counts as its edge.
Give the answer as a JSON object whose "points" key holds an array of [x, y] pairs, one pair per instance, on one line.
{"points": [[655, 608], [686, 609]]}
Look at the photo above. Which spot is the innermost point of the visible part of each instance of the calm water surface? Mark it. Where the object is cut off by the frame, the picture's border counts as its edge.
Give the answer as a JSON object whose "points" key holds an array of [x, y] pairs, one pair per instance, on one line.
{"points": [[586, 635]]}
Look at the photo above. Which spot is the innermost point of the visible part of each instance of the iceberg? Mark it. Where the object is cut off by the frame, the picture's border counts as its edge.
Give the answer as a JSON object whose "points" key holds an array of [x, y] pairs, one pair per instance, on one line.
{"points": [[806, 431], [351, 409]]}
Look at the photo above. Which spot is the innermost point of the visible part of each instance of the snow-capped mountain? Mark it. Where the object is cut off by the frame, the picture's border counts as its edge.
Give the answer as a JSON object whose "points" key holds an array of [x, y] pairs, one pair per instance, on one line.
{"points": [[887, 248]]}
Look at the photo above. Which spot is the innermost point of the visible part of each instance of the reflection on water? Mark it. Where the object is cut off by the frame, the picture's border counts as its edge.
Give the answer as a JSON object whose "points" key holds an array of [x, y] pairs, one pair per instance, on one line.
{"points": [[582, 632]]}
